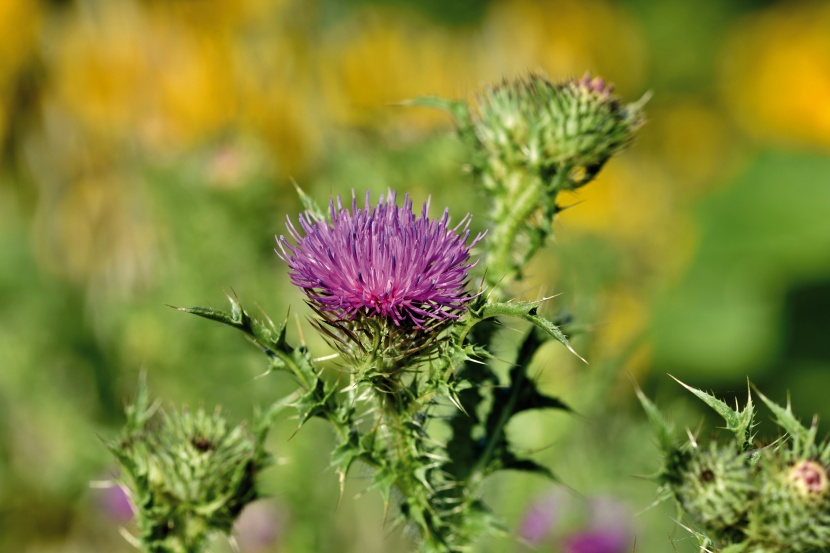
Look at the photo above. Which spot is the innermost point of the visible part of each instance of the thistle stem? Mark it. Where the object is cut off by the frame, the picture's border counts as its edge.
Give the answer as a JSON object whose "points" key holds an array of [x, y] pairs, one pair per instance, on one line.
{"points": [[527, 194]]}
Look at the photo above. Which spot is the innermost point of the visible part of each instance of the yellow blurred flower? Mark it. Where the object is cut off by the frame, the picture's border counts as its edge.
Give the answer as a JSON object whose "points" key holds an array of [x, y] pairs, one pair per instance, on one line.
{"points": [[563, 38], [101, 68], [171, 78], [279, 100], [382, 57], [197, 92], [89, 233], [776, 73], [91, 226], [694, 142], [19, 25]]}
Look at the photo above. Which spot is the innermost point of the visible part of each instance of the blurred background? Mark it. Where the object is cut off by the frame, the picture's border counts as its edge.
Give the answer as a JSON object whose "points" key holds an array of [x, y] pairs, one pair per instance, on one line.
{"points": [[147, 152]]}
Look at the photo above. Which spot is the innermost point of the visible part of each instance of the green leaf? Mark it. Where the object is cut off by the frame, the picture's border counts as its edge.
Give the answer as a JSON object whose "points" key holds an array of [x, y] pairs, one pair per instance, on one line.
{"points": [[457, 108], [529, 312], [740, 422], [665, 438], [309, 204], [509, 461], [803, 438], [314, 401]]}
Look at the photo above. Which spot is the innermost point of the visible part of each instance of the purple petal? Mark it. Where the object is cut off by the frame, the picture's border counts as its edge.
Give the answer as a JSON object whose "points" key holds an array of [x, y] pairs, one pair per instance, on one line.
{"points": [[608, 541], [381, 261]]}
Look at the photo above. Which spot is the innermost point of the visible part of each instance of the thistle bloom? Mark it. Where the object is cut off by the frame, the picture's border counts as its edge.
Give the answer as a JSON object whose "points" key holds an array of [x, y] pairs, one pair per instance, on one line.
{"points": [[381, 262]]}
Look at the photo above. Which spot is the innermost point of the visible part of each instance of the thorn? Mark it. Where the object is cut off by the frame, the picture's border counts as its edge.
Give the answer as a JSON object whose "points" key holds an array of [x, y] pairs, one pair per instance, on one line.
{"points": [[264, 314], [300, 330], [263, 375], [129, 538], [572, 350], [692, 439], [296, 430], [296, 186], [103, 484], [561, 208], [548, 298], [341, 476]]}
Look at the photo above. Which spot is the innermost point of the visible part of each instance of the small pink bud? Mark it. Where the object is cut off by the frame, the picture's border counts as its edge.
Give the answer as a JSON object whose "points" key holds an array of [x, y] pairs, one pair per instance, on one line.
{"points": [[808, 478]]}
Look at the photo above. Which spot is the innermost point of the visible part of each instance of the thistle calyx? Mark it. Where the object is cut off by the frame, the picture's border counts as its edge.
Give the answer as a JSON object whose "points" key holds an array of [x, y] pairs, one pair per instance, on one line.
{"points": [[189, 473], [573, 126]]}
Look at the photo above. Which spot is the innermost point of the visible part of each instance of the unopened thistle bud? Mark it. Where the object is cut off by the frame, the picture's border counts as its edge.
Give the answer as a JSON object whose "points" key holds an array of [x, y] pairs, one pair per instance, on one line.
{"points": [[795, 505], [573, 126], [189, 474], [809, 480], [716, 487], [384, 281]]}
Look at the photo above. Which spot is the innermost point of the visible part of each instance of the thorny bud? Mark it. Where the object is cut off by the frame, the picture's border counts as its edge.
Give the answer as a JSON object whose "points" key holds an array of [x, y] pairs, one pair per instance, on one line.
{"points": [[739, 498], [575, 126], [189, 473], [384, 281], [794, 508], [715, 487]]}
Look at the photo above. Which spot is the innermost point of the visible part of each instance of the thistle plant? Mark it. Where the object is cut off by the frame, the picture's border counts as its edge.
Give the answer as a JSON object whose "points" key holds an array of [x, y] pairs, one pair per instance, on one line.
{"points": [[189, 473], [396, 296], [531, 139], [737, 496]]}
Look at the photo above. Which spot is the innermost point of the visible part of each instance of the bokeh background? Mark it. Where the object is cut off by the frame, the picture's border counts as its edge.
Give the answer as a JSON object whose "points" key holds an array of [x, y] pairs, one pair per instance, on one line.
{"points": [[148, 149]]}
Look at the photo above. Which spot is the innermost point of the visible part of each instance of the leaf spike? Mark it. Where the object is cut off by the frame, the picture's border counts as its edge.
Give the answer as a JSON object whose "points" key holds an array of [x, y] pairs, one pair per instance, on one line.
{"points": [[661, 427], [299, 330], [572, 350]]}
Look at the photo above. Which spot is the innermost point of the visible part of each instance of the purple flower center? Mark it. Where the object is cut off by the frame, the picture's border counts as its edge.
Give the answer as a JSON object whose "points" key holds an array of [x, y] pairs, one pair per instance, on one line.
{"points": [[381, 261]]}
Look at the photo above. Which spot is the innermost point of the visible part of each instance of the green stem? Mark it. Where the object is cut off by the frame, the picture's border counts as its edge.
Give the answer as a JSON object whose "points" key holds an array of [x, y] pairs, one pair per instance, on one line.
{"points": [[512, 214]]}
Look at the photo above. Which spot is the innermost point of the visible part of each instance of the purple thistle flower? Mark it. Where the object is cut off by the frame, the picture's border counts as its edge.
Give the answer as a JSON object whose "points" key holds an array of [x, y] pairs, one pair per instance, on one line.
{"points": [[597, 85], [609, 540], [115, 503], [381, 262]]}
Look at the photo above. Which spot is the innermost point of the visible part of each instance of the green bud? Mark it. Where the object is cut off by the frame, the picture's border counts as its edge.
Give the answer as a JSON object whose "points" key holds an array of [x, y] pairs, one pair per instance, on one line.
{"points": [[716, 488], [794, 508], [573, 126], [189, 473]]}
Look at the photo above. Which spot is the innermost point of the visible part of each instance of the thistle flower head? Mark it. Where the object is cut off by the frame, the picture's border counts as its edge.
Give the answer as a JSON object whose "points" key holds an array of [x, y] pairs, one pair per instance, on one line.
{"points": [[376, 272], [381, 261]]}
